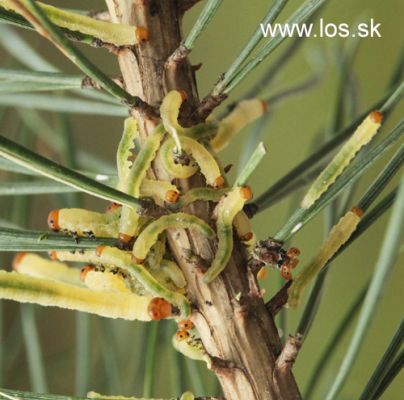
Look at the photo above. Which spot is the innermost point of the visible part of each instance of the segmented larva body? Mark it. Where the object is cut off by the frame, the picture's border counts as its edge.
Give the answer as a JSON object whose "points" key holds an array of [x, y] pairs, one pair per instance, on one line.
{"points": [[169, 112], [107, 32], [191, 348], [81, 256], [46, 292], [129, 218], [95, 395], [202, 193], [84, 223], [227, 209], [149, 235], [125, 152], [204, 159], [123, 260], [338, 235], [159, 191], [105, 281], [363, 135], [245, 112], [169, 269], [33, 265]]}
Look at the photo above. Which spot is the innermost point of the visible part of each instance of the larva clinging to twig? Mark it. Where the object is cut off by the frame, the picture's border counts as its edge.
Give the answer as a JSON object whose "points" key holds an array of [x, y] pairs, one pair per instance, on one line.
{"points": [[149, 235], [245, 112], [123, 260], [338, 235], [34, 265], [363, 135], [203, 158], [85, 223], [230, 205]]}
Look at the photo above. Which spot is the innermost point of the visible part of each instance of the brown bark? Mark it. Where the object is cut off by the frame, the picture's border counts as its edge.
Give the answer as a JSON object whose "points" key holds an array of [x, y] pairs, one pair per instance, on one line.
{"points": [[230, 315]]}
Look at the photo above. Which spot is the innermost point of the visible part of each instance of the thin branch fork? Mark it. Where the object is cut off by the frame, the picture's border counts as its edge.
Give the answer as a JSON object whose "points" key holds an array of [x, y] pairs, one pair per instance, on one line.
{"points": [[289, 353]]}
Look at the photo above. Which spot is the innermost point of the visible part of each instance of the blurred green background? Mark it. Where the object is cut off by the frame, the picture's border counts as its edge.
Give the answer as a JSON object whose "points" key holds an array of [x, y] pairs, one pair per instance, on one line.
{"points": [[117, 348]]}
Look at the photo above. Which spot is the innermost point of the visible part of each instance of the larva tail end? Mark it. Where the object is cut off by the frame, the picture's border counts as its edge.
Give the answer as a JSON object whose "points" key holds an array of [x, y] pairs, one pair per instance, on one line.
{"points": [[17, 260]]}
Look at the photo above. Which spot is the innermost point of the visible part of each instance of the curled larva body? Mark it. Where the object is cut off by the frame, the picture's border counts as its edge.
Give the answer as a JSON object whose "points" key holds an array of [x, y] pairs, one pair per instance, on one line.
{"points": [[203, 158], [149, 235], [167, 153], [159, 191], [106, 282], [245, 112], [338, 235], [363, 135], [169, 111], [202, 193], [46, 292], [192, 348], [33, 265], [123, 260], [171, 271], [227, 209], [84, 223]]}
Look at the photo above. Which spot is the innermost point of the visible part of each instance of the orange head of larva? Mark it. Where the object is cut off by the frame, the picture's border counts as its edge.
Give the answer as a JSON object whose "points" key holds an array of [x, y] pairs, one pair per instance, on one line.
{"points": [[159, 308], [357, 211], [293, 252], [53, 220], [247, 237], [142, 34], [185, 325], [17, 260], [182, 335], [137, 260], [219, 182], [85, 270], [113, 206], [285, 273], [172, 196], [376, 116], [184, 95], [246, 193], [124, 238], [99, 250], [265, 107], [53, 255]]}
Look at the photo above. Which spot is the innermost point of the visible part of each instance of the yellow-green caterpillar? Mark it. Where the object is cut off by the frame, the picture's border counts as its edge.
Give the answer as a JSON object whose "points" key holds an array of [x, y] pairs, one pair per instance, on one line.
{"points": [[149, 235], [84, 222], [46, 292], [117, 34], [338, 235], [363, 134], [203, 158], [33, 265], [244, 112], [230, 205], [192, 348]]}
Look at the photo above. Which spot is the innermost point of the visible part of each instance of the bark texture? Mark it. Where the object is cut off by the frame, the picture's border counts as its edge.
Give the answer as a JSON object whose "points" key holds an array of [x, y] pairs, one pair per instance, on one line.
{"points": [[235, 326]]}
